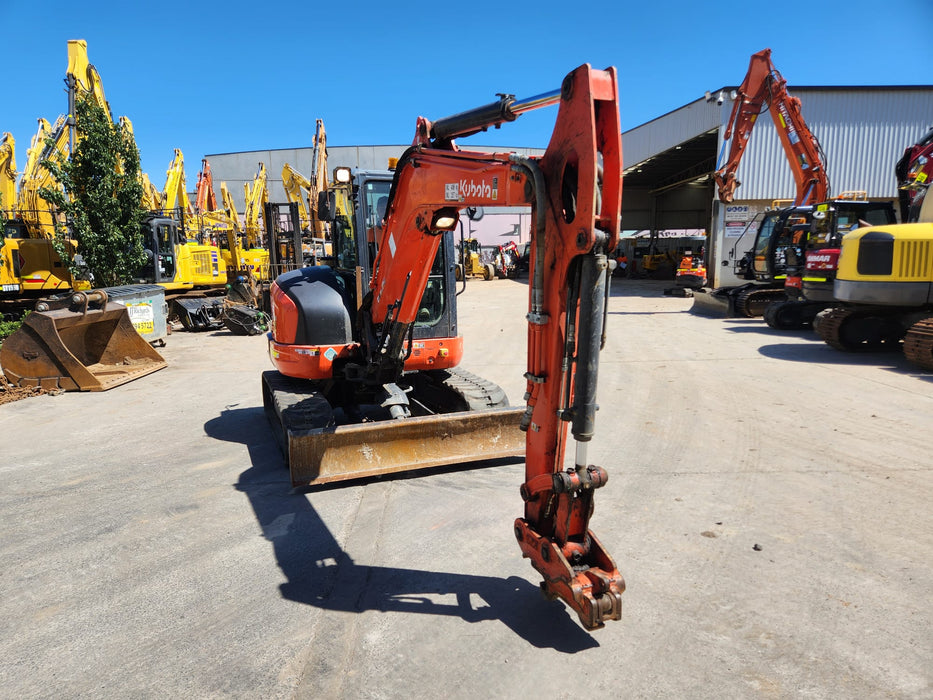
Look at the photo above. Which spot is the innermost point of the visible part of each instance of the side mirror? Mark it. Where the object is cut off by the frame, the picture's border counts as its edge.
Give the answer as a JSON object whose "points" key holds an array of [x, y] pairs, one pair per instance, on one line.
{"points": [[474, 213], [327, 205]]}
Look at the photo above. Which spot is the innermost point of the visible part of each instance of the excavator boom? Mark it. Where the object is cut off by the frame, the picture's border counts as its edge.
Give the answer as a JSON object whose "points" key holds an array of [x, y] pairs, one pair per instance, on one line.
{"points": [[7, 175], [765, 87]]}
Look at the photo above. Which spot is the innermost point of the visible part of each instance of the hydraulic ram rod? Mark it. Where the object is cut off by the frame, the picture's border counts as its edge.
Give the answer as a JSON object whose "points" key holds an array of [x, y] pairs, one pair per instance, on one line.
{"points": [[507, 109]]}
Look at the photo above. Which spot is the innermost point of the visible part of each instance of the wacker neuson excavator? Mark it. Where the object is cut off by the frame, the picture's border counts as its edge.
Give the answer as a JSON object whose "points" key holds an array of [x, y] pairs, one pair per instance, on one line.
{"points": [[366, 378]]}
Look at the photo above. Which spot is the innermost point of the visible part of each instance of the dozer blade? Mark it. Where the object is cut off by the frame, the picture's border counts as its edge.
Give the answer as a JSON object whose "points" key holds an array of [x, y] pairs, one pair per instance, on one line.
{"points": [[712, 302], [317, 452], [81, 343]]}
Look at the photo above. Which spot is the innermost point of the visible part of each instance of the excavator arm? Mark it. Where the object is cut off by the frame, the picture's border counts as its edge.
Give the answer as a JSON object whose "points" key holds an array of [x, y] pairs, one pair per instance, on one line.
{"points": [[82, 78], [7, 175], [174, 194], [765, 87], [303, 191], [318, 178], [230, 207], [296, 188], [575, 192], [49, 143], [205, 200], [256, 198]]}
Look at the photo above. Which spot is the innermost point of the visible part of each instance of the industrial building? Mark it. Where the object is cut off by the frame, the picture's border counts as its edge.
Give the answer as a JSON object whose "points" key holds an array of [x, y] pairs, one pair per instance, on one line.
{"points": [[669, 162]]}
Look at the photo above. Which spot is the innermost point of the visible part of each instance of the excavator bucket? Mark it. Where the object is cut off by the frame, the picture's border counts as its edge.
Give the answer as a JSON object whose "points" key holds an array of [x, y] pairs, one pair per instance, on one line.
{"points": [[80, 343], [317, 451], [713, 302]]}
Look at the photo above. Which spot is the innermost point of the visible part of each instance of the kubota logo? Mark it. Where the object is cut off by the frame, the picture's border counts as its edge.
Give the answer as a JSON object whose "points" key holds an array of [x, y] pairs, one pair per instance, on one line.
{"points": [[458, 191]]}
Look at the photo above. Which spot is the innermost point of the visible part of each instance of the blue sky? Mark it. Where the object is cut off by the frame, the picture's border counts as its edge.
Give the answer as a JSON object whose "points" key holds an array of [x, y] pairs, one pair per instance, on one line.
{"points": [[236, 76]]}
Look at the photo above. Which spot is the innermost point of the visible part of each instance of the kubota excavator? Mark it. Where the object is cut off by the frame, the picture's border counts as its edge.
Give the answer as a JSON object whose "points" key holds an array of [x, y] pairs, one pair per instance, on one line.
{"points": [[764, 87], [339, 352]]}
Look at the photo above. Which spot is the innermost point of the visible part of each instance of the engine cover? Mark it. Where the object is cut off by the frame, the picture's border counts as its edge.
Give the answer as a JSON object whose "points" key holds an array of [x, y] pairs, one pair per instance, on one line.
{"points": [[322, 302]]}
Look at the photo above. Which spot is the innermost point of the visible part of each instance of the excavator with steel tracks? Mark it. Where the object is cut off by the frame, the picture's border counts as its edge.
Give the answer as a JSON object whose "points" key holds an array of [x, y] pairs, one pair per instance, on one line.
{"points": [[884, 283], [366, 380], [809, 262]]}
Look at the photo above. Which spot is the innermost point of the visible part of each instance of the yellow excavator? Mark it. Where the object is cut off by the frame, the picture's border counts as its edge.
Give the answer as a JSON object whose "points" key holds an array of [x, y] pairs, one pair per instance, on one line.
{"points": [[187, 263], [81, 339], [29, 265], [884, 288], [304, 193], [193, 273], [222, 224]]}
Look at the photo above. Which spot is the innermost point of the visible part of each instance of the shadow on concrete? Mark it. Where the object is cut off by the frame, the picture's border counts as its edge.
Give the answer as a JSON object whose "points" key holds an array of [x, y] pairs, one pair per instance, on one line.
{"points": [[321, 574], [758, 325], [628, 287], [890, 360]]}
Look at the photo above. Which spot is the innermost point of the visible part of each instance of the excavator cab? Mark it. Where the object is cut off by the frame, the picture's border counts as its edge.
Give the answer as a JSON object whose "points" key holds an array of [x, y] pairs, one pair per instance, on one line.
{"points": [[160, 241], [362, 208], [780, 233], [831, 221]]}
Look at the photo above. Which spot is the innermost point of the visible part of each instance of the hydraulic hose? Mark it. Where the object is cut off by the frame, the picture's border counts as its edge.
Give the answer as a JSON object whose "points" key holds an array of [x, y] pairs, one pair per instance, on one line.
{"points": [[530, 168]]}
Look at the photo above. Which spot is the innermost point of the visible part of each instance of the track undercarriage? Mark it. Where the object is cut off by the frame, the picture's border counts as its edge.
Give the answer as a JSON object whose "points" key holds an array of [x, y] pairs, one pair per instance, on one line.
{"points": [[865, 329], [457, 418]]}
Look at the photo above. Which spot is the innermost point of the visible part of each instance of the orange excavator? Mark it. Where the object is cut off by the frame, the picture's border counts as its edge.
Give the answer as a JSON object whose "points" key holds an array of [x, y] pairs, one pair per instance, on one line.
{"points": [[765, 88], [350, 347]]}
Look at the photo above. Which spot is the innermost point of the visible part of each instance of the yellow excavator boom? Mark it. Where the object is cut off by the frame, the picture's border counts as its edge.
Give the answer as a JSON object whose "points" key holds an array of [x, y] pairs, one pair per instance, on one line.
{"points": [[256, 198], [83, 76], [49, 143], [318, 177], [297, 189], [7, 175], [174, 195]]}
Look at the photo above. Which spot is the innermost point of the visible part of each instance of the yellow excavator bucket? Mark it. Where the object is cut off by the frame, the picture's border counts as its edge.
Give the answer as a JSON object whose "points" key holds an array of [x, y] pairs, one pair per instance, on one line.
{"points": [[80, 343]]}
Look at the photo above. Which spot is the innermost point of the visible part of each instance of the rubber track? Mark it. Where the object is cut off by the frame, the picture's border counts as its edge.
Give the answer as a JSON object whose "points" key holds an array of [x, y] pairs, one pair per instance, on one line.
{"points": [[480, 394], [299, 406], [918, 344], [783, 315], [752, 302]]}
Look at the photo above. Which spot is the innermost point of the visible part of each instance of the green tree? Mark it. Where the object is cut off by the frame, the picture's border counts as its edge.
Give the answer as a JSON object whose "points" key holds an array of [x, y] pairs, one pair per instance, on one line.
{"points": [[103, 198]]}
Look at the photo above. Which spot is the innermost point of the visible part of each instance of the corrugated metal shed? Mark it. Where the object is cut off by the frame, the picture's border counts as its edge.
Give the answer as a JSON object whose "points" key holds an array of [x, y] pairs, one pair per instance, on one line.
{"points": [[238, 168], [863, 132], [668, 131]]}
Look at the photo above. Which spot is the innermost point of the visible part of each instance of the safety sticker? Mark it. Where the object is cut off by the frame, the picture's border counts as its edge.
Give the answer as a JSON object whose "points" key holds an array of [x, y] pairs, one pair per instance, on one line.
{"points": [[141, 317]]}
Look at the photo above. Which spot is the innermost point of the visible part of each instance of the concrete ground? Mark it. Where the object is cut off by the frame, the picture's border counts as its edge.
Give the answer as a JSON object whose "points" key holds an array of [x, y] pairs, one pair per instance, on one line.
{"points": [[768, 505]]}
